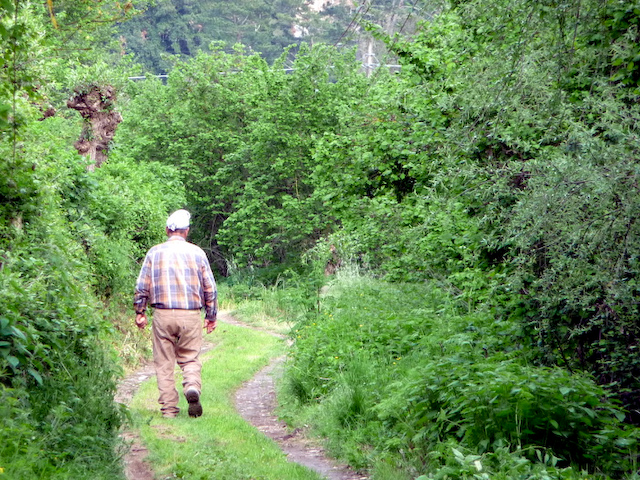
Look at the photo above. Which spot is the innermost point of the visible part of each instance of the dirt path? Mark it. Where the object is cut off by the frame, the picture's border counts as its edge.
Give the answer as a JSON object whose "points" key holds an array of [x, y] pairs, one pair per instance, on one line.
{"points": [[256, 402], [135, 467]]}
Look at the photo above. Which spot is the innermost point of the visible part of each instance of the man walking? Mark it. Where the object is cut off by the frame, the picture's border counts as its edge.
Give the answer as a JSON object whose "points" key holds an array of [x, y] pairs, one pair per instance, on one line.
{"points": [[176, 280]]}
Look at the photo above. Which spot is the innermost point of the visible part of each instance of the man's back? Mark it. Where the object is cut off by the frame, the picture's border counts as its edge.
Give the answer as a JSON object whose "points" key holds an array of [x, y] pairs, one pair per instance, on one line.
{"points": [[176, 275]]}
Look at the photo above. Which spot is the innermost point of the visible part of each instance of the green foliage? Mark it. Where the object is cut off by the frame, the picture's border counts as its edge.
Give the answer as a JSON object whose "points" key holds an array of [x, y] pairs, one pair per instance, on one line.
{"points": [[99, 74], [394, 376], [489, 404], [455, 461], [499, 163], [67, 245], [53, 354], [129, 206], [21, 53], [178, 27], [564, 151], [81, 32], [242, 135], [172, 29]]}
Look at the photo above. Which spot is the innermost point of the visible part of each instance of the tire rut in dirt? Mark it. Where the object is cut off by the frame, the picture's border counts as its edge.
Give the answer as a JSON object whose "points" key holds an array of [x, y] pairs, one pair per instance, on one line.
{"points": [[256, 403]]}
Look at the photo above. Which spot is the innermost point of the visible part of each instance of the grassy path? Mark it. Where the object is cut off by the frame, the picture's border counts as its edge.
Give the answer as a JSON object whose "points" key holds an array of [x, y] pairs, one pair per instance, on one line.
{"points": [[219, 445]]}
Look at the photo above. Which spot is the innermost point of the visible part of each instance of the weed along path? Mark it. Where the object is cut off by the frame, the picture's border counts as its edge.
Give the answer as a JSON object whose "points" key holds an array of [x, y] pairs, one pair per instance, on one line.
{"points": [[238, 437], [256, 402]]}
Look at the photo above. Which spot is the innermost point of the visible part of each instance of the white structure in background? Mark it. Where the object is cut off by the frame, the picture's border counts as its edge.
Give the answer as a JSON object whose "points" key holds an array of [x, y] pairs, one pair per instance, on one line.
{"points": [[316, 6], [320, 5], [299, 32]]}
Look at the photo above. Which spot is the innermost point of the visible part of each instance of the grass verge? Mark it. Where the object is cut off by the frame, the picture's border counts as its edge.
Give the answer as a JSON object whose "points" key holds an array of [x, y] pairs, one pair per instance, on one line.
{"points": [[220, 444], [404, 383], [266, 308]]}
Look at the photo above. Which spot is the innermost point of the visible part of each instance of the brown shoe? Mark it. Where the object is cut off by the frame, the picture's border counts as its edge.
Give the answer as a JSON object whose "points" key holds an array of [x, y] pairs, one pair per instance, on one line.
{"points": [[193, 397]]}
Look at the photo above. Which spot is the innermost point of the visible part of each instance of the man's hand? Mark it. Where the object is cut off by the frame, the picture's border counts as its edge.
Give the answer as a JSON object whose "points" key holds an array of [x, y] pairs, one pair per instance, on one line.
{"points": [[210, 325], [141, 321]]}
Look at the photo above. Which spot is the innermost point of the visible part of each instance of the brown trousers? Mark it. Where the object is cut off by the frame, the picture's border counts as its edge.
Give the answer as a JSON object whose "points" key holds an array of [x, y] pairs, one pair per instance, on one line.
{"points": [[177, 337]]}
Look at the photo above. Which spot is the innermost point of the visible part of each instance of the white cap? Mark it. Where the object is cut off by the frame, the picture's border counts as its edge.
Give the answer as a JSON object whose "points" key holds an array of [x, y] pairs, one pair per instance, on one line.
{"points": [[178, 220]]}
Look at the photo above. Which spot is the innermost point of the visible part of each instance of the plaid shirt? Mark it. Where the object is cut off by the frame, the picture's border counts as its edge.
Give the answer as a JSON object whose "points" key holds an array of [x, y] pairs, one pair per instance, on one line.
{"points": [[176, 274]]}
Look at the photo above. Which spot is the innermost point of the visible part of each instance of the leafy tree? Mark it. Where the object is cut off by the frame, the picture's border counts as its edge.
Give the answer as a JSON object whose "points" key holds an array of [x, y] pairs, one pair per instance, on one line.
{"points": [[242, 134], [22, 52], [537, 135], [83, 31], [184, 28]]}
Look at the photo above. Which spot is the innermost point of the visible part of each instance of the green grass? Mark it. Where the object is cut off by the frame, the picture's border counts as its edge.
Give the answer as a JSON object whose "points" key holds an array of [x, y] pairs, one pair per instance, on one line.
{"points": [[268, 308], [220, 444], [402, 382]]}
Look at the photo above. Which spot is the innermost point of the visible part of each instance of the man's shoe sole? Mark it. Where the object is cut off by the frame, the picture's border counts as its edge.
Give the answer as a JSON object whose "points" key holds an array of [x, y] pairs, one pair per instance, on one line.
{"points": [[195, 408]]}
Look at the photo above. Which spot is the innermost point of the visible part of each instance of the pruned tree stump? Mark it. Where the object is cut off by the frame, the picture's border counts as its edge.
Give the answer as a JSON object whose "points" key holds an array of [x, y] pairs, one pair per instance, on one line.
{"points": [[96, 105]]}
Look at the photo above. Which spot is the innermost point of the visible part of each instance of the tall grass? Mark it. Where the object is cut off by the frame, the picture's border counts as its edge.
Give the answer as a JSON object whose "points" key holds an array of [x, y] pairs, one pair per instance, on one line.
{"points": [[276, 306], [403, 383]]}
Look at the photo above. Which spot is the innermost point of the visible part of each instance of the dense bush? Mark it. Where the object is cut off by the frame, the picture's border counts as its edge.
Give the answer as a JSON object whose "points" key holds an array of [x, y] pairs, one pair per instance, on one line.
{"points": [[71, 242], [500, 162], [399, 378], [55, 358], [242, 135], [119, 213], [489, 404]]}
